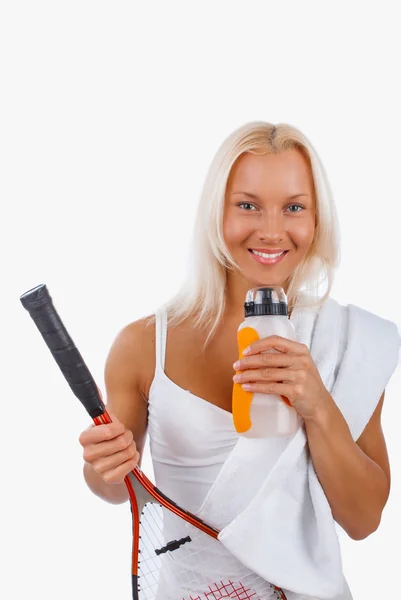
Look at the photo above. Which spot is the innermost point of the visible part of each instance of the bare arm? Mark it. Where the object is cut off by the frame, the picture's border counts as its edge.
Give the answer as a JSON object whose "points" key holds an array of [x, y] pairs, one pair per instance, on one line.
{"points": [[355, 476], [111, 451]]}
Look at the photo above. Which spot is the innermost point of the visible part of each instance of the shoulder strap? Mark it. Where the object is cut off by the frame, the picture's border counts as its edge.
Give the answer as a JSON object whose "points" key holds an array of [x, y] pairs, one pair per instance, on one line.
{"points": [[161, 337]]}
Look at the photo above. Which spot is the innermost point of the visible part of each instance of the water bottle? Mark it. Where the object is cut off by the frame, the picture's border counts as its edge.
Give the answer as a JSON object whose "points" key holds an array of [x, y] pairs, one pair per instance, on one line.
{"points": [[258, 415]]}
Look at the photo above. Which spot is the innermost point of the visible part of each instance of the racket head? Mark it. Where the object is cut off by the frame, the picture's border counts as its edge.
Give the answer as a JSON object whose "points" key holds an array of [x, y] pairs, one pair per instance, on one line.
{"points": [[176, 559]]}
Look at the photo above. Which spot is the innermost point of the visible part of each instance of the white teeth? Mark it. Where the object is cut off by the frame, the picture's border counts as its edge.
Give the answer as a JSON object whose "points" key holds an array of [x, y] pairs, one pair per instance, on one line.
{"points": [[264, 255]]}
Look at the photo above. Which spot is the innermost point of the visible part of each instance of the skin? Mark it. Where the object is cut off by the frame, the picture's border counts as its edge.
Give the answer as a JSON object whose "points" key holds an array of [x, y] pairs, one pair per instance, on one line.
{"points": [[258, 213]]}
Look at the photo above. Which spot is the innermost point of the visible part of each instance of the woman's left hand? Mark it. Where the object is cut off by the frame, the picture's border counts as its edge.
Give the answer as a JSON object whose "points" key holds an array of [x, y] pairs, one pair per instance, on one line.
{"points": [[290, 372]]}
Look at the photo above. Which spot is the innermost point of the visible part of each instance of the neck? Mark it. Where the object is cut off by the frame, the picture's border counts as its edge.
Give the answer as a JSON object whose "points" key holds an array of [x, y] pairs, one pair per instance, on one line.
{"points": [[236, 289]]}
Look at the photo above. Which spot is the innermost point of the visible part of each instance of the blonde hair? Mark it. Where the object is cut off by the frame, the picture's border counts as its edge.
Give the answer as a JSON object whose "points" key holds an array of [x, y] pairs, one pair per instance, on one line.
{"points": [[203, 293]]}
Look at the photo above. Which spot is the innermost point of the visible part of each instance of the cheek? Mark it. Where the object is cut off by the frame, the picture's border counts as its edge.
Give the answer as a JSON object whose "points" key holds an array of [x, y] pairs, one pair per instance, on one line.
{"points": [[234, 230], [303, 234]]}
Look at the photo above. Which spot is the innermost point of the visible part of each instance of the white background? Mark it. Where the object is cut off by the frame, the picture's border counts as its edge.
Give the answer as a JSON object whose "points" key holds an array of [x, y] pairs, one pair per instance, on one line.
{"points": [[110, 115]]}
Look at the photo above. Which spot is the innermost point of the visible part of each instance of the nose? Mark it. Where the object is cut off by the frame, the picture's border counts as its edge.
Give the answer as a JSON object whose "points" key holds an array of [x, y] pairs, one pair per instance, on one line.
{"points": [[272, 228]]}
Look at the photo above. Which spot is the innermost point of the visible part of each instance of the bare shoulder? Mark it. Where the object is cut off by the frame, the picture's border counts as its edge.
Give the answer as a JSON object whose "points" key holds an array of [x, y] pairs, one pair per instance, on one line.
{"points": [[128, 373], [132, 354]]}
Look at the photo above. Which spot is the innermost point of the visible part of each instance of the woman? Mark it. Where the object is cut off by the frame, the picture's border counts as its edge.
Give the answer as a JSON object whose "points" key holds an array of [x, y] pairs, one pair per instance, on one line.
{"points": [[266, 217]]}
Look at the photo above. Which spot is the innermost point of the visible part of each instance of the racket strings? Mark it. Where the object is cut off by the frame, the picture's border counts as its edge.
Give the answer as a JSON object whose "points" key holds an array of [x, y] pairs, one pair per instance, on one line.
{"points": [[234, 591], [199, 569], [150, 539]]}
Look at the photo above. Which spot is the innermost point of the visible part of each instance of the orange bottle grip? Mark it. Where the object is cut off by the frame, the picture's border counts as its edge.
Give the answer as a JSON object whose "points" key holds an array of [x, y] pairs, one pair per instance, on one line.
{"points": [[242, 400]]}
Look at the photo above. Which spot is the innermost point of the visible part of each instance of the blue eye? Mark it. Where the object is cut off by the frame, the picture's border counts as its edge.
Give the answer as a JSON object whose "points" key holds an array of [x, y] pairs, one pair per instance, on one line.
{"points": [[247, 204], [299, 206]]}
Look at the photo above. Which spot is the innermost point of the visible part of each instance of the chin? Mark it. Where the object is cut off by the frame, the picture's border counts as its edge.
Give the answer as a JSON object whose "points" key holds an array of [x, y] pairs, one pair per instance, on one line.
{"points": [[274, 280]]}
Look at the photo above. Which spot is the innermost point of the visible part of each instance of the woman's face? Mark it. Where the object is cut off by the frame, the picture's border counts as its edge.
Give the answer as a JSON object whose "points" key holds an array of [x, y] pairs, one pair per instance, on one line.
{"points": [[269, 215]]}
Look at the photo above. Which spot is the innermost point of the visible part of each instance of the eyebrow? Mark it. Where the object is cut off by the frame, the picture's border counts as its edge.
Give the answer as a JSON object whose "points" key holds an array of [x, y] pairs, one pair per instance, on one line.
{"points": [[257, 198]]}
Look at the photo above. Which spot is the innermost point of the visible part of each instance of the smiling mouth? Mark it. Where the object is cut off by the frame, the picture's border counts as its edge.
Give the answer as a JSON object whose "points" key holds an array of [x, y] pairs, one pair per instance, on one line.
{"points": [[268, 258]]}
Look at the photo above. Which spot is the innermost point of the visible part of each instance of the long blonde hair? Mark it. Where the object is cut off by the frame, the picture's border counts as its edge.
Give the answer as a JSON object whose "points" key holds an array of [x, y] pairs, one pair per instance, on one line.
{"points": [[203, 293]]}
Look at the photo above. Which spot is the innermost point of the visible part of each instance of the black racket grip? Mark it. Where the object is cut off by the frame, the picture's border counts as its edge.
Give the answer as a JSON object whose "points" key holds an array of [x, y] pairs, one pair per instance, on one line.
{"points": [[39, 304]]}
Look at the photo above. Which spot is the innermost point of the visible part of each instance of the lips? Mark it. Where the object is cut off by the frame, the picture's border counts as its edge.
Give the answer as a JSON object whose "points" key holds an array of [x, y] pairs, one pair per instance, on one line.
{"points": [[268, 256]]}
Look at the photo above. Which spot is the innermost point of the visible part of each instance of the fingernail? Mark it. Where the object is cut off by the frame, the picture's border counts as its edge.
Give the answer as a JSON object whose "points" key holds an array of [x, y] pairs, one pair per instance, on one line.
{"points": [[247, 350], [237, 378], [236, 365], [247, 386]]}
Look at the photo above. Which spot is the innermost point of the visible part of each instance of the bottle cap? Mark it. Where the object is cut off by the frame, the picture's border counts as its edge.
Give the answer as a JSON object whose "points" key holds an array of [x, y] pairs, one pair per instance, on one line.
{"points": [[266, 301]]}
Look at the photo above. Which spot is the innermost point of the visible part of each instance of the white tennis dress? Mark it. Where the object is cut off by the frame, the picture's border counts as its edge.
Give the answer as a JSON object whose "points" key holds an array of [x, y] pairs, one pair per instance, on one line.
{"points": [[190, 438]]}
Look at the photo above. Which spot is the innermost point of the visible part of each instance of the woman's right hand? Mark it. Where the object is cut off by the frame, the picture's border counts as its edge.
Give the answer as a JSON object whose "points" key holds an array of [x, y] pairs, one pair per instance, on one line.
{"points": [[110, 450]]}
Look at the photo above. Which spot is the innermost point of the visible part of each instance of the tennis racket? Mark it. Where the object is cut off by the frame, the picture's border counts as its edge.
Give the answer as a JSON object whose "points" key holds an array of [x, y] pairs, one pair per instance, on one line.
{"points": [[175, 554]]}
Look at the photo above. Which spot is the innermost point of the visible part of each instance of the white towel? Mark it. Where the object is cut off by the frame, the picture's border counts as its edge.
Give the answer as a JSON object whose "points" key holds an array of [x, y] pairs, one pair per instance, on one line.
{"points": [[267, 500]]}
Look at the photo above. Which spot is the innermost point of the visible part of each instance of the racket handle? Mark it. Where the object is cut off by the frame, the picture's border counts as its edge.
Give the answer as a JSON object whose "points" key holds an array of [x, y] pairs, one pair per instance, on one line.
{"points": [[39, 304]]}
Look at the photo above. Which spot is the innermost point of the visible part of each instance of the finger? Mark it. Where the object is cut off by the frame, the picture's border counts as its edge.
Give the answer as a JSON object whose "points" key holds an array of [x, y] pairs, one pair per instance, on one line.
{"points": [[118, 474], [113, 417], [268, 359], [276, 342], [114, 472], [271, 387], [266, 374], [100, 433], [94, 451]]}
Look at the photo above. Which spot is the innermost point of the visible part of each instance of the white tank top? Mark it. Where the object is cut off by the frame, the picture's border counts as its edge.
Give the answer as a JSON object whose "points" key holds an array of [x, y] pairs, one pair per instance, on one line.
{"points": [[189, 437]]}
